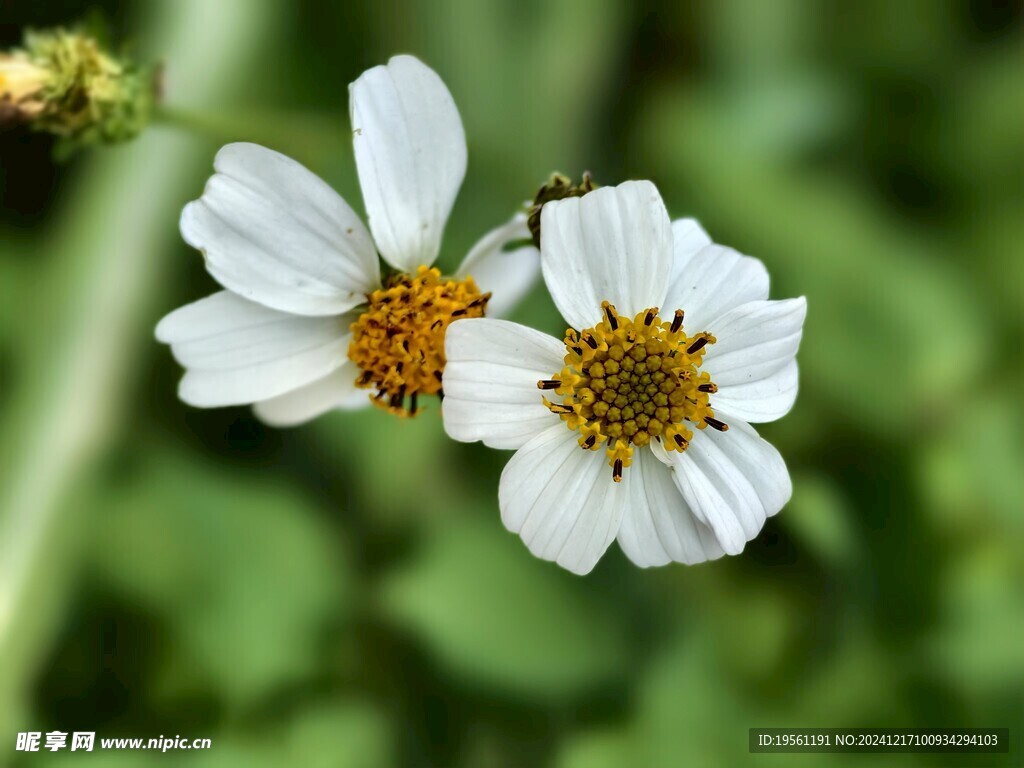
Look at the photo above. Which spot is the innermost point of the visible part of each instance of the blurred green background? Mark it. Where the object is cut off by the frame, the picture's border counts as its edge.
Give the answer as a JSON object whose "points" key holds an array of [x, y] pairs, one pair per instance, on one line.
{"points": [[344, 594]]}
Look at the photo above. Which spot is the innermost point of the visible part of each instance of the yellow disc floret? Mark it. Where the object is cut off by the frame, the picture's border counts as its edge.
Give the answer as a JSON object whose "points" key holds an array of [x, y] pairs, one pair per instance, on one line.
{"points": [[628, 382], [399, 340]]}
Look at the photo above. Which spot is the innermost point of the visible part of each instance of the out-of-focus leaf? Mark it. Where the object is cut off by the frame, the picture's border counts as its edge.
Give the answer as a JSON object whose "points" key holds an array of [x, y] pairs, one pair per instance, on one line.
{"points": [[819, 519], [752, 626], [970, 472], [342, 735], [496, 616], [690, 708], [243, 572], [611, 748], [979, 645], [685, 706], [393, 457]]}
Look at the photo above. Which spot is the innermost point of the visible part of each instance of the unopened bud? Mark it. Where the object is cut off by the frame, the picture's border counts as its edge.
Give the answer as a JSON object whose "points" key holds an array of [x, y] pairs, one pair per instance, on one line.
{"points": [[66, 84], [558, 187]]}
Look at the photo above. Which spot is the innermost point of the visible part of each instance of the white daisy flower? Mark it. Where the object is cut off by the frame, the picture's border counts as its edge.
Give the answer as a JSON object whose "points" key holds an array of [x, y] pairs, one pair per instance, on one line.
{"points": [[306, 323], [641, 429]]}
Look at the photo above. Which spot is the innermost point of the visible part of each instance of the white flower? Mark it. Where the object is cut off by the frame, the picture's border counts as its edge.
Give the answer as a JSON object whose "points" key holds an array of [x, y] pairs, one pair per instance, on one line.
{"points": [[670, 410], [305, 324]]}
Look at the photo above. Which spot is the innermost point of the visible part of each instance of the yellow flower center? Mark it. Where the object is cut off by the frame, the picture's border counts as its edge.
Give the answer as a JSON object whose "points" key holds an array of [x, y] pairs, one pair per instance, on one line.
{"points": [[627, 382], [399, 340]]}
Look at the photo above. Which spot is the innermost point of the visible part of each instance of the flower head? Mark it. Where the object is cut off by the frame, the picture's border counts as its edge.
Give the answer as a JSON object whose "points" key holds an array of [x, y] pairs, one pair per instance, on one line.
{"points": [[635, 426], [65, 83], [307, 323]]}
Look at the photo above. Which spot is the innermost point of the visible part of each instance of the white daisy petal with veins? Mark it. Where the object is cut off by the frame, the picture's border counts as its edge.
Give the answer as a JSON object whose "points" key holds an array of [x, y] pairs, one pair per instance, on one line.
{"points": [[411, 156]]}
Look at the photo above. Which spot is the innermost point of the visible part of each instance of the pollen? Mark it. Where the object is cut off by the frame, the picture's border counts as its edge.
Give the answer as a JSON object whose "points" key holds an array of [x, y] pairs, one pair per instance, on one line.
{"points": [[398, 342], [628, 382]]}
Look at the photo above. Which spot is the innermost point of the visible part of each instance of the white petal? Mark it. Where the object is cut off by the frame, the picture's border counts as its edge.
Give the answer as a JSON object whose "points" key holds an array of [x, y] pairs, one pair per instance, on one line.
{"points": [[508, 275], [490, 381], [688, 238], [336, 390], [411, 157], [658, 527], [732, 481], [612, 244], [236, 351], [713, 281], [275, 233], [761, 400], [561, 499], [755, 340]]}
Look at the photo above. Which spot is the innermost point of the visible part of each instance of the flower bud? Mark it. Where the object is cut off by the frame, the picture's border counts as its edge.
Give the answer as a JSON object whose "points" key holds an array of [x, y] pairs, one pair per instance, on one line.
{"points": [[558, 187], [66, 84]]}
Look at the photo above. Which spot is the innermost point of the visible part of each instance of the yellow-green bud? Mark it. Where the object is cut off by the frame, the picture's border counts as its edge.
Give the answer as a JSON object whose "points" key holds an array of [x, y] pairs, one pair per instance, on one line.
{"points": [[66, 84]]}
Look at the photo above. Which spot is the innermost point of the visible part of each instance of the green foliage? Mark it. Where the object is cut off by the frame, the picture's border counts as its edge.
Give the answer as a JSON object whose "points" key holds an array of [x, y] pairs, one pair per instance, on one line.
{"points": [[496, 618], [242, 572]]}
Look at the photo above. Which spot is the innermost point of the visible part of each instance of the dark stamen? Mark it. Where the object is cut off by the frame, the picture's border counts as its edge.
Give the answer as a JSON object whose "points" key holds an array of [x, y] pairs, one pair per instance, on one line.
{"points": [[590, 340], [437, 375], [588, 443], [436, 324], [398, 397], [617, 471], [549, 384], [677, 321], [458, 312], [609, 311], [560, 408], [697, 345], [412, 403], [721, 426], [712, 388], [651, 314], [681, 441]]}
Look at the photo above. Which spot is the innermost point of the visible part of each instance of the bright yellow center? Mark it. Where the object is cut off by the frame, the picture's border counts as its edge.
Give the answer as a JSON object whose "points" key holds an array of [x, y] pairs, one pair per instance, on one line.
{"points": [[627, 382], [399, 340]]}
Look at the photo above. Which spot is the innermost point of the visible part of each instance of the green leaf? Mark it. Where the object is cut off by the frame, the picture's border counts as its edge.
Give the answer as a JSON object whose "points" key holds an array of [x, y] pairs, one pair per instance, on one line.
{"points": [[497, 616], [242, 570], [818, 518]]}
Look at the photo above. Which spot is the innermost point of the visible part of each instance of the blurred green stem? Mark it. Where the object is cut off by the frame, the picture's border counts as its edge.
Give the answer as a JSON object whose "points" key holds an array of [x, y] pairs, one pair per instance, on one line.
{"points": [[85, 319]]}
